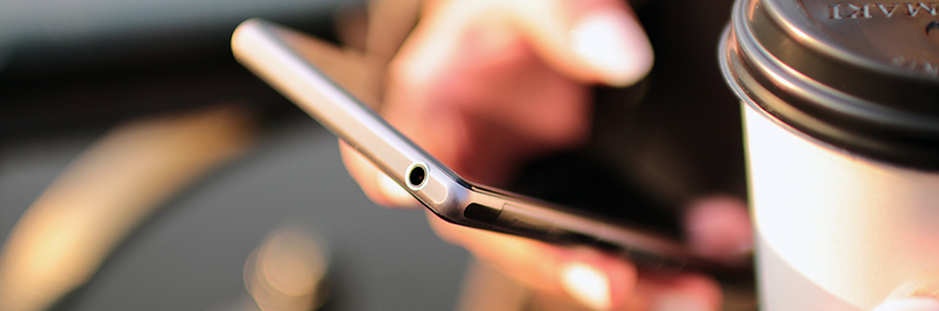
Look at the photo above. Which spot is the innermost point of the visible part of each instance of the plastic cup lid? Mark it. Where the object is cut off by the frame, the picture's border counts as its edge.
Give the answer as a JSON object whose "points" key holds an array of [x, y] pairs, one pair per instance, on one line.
{"points": [[863, 76]]}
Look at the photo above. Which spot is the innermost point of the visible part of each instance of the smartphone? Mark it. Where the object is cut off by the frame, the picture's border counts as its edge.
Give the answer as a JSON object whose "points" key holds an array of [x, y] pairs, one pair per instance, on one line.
{"points": [[286, 60]]}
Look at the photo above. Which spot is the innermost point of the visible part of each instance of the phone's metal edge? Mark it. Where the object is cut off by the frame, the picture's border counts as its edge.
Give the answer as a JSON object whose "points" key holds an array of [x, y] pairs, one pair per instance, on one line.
{"points": [[255, 44], [519, 215], [446, 194]]}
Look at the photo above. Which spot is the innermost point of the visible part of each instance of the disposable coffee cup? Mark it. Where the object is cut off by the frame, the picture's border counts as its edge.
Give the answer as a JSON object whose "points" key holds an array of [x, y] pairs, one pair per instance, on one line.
{"points": [[840, 104]]}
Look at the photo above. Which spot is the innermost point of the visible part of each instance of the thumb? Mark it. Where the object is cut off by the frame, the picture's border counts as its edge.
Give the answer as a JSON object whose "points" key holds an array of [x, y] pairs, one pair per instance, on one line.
{"points": [[599, 38], [592, 40]]}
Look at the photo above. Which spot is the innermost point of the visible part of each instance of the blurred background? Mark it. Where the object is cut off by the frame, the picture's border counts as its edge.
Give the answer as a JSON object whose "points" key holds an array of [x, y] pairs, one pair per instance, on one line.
{"points": [[142, 168], [143, 194]]}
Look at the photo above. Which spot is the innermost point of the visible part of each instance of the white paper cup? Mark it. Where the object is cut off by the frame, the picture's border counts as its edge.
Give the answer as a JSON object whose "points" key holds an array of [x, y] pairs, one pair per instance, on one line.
{"points": [[842, 141]]}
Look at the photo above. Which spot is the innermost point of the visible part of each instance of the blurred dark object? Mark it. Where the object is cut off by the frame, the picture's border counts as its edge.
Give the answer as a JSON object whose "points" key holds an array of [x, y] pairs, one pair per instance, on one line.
{"points": [[76, 63], [682, 140]]}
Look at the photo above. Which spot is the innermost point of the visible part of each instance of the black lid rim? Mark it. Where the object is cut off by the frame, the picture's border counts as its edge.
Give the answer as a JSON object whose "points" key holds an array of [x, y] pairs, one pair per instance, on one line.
{"points": [[789, 34], [839, 54], [829, 116]]}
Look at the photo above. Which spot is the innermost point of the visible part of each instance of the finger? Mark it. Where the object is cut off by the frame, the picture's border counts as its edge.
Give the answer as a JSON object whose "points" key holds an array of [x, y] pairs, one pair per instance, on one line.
{"points": [[598, 39], [592, 40], [718, 227], [686, 292], [377, 186], [479, 98], [594, 279], [910, 304], [921, 294], [481, 119]]}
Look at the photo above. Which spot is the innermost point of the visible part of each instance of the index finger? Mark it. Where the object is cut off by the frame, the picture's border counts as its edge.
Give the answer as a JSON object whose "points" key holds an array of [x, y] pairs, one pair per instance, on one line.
{"points": [[593, 40]]}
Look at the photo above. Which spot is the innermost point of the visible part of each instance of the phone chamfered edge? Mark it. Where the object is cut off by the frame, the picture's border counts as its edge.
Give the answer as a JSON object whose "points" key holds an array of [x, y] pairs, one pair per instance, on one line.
{"points": [[269, 51], [264, 48]]}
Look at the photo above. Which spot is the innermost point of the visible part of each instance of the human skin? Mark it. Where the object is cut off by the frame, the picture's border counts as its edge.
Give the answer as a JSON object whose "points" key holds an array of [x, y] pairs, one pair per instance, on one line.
{"points": [[484, 85]]}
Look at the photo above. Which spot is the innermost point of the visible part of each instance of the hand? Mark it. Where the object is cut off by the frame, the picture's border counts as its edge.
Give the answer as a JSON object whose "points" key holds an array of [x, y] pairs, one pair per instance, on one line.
{"points": [[918, 295], [910, 304], [486, 84]]}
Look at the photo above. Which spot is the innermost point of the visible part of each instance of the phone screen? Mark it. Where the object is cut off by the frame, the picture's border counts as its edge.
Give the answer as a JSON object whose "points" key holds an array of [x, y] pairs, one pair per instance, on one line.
{"points": [[580, 181]]}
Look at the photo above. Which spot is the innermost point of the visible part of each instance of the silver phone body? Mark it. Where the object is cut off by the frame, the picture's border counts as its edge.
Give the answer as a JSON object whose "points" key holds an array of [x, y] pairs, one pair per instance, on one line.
{"points": [[271, 52]]}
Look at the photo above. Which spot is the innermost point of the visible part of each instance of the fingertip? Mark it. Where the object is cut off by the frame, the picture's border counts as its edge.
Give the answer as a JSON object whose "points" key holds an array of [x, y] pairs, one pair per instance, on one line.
{"points": [[623, 277], [613, 45], [719, 227], [921, 293], [587, 284], [686, 292], [596, 280], [910, 304], [683, 301], [393, 192], [598, 41], [377, 186]]}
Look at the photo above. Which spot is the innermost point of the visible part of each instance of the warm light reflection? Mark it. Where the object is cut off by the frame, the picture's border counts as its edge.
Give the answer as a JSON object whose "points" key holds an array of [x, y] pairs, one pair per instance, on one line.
{"points": [[286, 272], [64, 237]]}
